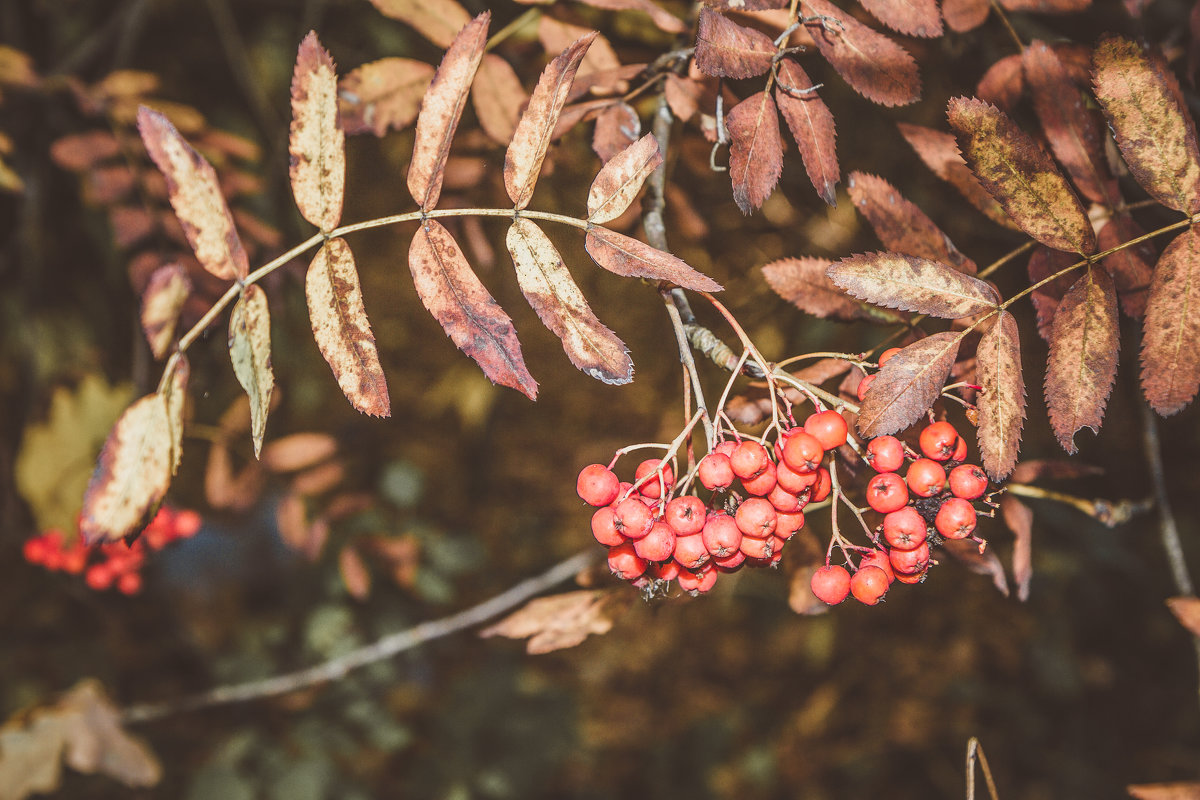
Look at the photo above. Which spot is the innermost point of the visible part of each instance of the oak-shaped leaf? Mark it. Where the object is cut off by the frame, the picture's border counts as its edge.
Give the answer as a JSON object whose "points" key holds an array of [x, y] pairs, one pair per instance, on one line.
{"points": [[909, 283], [619, 181], [162, 301], [383, 95], [725, 49], [804, 283], [498, 97], [250, 352], [965, 15], [472, 319], [871, 62], [175, 397], [1131, 267], [195, 195], [1021, 176], [523, 161], [1044, 262], [1149, 120], [1171, 329], [617, 127], [755, 150], [939, 151], [631, 258], [910, 17], [558, 621], [900, 225], [662, 19], [436, 20], [1002, 402], [908, 384], [812, 126], [132, 475], [441, 109], [1019, 518], [1083, 356], [561, 306], [341, 329], [316, 144]]}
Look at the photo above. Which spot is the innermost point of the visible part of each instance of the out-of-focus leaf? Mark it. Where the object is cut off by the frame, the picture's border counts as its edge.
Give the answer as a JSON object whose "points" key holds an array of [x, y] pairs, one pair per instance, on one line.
{"points": [[1044, 262], [800, 595], [804, 283], [316, 143], [874, 65], [1181, 790], [915, 284], [965, 15], [1002, 402], [1046, 6], [558, 621], [437, 20], [619, 181], [298, 451], [175, 396], [985, 563], [755, 150], [900, 225], [725, 49], [382, 95], [939, 152], [355, 575], [1052, 469], [617, 127], [662, 19], [162, 301], [83, 151], [1171, 332], [250, 352], [812, 126], [1003, 84], [908, 384], [498, 97], [1019, 519], [631, 258]]}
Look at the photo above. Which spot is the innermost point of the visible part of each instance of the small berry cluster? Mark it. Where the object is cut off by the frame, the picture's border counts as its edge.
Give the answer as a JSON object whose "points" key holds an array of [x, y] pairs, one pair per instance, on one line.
{"points": [[654, 538], [119, 565]]}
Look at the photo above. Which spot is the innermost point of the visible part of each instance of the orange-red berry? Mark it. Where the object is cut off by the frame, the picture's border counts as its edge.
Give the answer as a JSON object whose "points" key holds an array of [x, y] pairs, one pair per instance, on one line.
{"points": [[926, 477], [938, 441], [904, 529], [955, 519], [715, 471], [831, 584], [887, 492], [885, 453], [827, 427], [869, 585], [968, 481], [597, 485]]}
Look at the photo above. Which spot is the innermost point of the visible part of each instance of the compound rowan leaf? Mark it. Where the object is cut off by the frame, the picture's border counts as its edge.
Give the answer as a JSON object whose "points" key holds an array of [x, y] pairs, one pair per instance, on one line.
{"points": [[195, 195], [1043, 263], [558, 621], [1022, 178], [316, 144], [1002, 401], [662, 19], [162, 301], [900, 225], [623, 255], [910, 17], [1083, 357], [874, 65], [965, 15], [523, 161], [466, 311], [498, 98], [812, 126], [619, 181], [382, 95], [1130, 267], [755, 150], [909, 283], [725, 49], [561, 306], [1171, 329], [250, 352], [436, 20], [908, 384], [175, 397], [939, 151], [1019, 519], [341, 329], [617, 127], [132, 475], [1146, 111], [803, 282], [441, 109]]}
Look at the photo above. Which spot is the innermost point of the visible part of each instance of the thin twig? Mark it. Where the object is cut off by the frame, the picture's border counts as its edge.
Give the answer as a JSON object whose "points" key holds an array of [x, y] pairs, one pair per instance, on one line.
{"points": [[975, 750]]}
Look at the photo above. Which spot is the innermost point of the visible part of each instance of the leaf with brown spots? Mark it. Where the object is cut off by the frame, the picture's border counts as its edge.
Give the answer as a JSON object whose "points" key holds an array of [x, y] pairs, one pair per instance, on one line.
{"points": [[803, 283], [910, 17], [939, 152], [558, 621], [1043, 263], [175, 397], [965, 15], [1130, 267], [622, 255], [162, 301], [812, 126], [755, 150], [1171, 330], [1017, 172], [383, 95], [1149, 120], [900, 225], [561, 306], [523, 161], [874, 65], [1019, 519], [436, 20], [1002, 402], [466, 311], [250, 352], [619, 181], [341, 329], [317, 145], [1083, 357], [617, 127], [908, 384], [908, 283], [195, 195], [441, 109], [498, 97], [725, 49]]}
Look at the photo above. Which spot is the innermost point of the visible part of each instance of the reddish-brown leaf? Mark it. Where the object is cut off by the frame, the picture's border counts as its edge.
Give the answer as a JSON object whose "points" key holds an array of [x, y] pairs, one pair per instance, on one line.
{"points": [[250, 352], [811, 124], [1002, 402], [175, 397], [822, 370], [601, 59], [523, 161], [1046, 6], [965, 15], [471, 318], [755, 150], [1181, 790], [82, 151], [316, 144], [382, 95], [1043, 263], [617, 127], [683, 96], [662, 19], [631, 258], [1052, 469], [900, 225], [355, 575], [1146, 111], [1171, 332], [725, 49], [908, 384], [619, 181], [561, 306], [908, 283], [987, 563], [939, 152], [498, 98], [1186, 609], [747, 5], [441, 109], [436, 20], [1019, 519], [162, 301], [558, 621], [910, 17], [1131, 267], [1003, 83], [1083, 357], [804, 283], [874, 65], [298, 451], [196, 197]]}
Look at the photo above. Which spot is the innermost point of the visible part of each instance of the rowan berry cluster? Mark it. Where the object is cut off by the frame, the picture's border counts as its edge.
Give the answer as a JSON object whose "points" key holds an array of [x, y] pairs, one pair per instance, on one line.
{"points": [[113, 564]]}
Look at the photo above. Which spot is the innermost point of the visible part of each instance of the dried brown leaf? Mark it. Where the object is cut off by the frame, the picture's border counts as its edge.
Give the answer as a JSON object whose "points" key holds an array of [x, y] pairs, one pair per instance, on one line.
{"points": [[196, 197], [662, 19], [987, 563], [83, 151], [965, 15], [1052, 469], [355, 575], [804, 283], [631, 258], [1180, 790], [498, 97], [441, 109], [1002, 402], [939, 152], [436, 20], [162, 301], [175, 397], [341, 329], [1046, 6], [1003, 84], [1019, 519], [472, 319], [250, 352], [617, 127], [1022, 178], [908, 384], [558, 621], [910, 17], [1171, 330], [561, 306], [900, 225], [382, 95], [1043, 263], [725, 49], [812, 126], [298, 451], [317, 145], [683, 96], [620, 180], [1186, 609], [1130, 268], [874, 65], [908, 283], [755, 150]]}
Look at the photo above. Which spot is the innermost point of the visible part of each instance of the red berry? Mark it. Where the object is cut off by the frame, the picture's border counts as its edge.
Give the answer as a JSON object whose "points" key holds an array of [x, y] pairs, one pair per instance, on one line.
{"points": [[827, 427], [886, 355], [822, 487], [726, 447], [869, 585], [756, 517], [803, 452], [915, 577], [926, 477], [653, 487], [790, 480], [666, 571], [968, 482], [99, 577], [129, 583], [597, 485], [625, 563], [909, 562], [188, 522], [658, 544], [878, 558], [904, 529], [938, 441], [721, 535], [955, 519], [731, 562], [788, 523], [885, 453], [762, 484], [632, 518], [34, 550], [699, 582], [831, 584], [685, 514], [863, 385], [715, 471], [749, 460], [754, 547], [783, 500], [887, 492], [690, 551], [604, 527], [960, 450], [75, 558]]}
